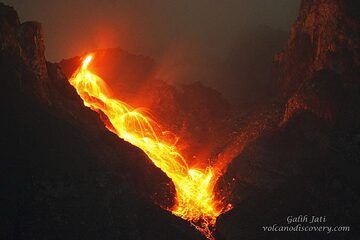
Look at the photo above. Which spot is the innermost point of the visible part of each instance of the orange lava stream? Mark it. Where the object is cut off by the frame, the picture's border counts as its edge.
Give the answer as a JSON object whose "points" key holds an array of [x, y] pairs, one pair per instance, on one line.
{"points": [[195, 199]]}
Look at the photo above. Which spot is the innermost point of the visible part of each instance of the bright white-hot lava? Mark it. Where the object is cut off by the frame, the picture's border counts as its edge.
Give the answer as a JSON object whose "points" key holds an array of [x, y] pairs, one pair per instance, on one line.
{"points": [[195, 197]]}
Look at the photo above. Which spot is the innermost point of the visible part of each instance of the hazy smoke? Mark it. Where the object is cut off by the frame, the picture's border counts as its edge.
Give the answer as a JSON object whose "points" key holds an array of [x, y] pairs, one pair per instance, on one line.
{"points": [[190, 39]]}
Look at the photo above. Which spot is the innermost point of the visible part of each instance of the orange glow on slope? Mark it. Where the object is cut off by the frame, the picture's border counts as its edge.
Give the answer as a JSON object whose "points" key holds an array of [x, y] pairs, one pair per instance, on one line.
{"points": [[195, 198]]}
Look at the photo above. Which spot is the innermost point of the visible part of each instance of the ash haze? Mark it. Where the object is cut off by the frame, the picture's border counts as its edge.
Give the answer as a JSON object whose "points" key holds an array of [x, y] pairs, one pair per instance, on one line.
{"points": [[186, 37], [149, 27]]}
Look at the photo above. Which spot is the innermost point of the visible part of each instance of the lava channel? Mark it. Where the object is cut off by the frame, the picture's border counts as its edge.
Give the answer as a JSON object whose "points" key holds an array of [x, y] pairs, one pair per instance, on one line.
{"points": [[195, 199]]}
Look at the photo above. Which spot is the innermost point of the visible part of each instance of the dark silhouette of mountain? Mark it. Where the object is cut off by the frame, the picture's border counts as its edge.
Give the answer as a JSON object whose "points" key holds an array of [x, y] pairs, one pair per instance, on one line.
{"points": [[319, 68], [64, 175], [308, 164]]}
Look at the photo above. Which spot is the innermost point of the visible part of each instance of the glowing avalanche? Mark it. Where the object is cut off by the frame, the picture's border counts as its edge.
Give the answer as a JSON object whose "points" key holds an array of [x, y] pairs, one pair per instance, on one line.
{"points": [[195, 199]]}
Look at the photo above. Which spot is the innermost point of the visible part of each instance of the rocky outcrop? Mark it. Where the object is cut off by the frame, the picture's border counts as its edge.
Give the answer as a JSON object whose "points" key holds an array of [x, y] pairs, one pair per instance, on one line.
{"points": [[31, 40], [26, 41], [324, 36], [324, 44], [8, 23]]}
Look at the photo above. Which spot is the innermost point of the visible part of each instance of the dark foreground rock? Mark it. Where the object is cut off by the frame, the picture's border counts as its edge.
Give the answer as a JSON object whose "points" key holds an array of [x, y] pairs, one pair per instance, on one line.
{"points": [[309, 165]]}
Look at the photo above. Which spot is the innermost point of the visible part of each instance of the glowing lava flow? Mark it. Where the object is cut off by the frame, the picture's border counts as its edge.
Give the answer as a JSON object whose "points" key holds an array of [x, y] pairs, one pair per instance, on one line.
{"points": [[195, 198]]}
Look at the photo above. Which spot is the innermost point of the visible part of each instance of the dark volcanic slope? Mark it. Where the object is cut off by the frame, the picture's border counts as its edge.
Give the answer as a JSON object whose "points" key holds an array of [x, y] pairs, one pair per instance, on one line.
{"points": [[63, 175], [310, 164]]}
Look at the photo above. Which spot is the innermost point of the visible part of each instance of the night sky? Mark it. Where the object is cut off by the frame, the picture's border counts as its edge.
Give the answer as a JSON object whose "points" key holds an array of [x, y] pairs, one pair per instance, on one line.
{"points": [[151, 27]]}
